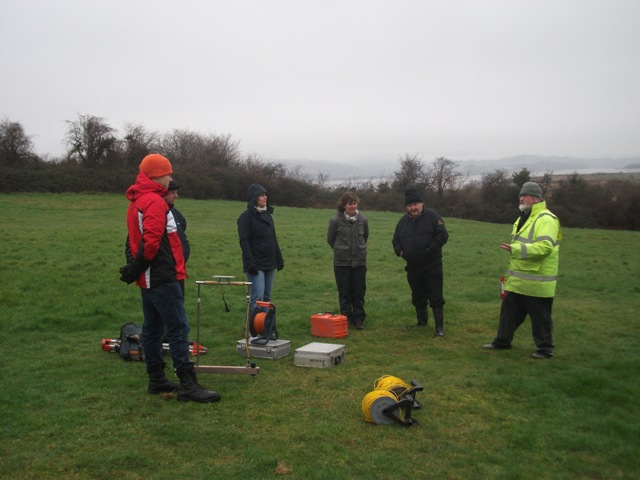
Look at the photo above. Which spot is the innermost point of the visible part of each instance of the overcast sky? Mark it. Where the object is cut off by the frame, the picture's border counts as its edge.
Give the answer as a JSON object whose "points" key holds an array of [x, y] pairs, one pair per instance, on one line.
{"points": [[338, 80]]}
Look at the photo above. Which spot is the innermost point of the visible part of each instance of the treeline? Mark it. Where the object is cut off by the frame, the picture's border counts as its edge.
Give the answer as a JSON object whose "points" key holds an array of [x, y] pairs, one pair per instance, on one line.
{"points": [[98, 159]]}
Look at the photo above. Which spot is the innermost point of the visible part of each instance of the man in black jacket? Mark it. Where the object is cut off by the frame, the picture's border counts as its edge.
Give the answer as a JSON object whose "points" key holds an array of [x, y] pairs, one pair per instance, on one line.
{"points": [[418, 238], [181, 222]]}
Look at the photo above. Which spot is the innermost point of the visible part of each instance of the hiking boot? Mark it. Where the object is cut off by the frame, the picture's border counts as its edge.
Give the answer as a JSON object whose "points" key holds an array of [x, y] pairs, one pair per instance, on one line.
{"points": [[191, 391], [158, 382]]}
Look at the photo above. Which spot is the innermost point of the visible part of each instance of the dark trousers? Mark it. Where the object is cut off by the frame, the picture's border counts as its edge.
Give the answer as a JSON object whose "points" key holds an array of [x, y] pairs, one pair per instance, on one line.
{"points": [[515, 308], [163, 309], [352, 285], [426, 287]]}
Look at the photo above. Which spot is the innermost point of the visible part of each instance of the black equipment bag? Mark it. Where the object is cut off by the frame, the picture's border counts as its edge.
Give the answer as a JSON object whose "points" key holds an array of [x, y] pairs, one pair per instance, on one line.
{"points": [[131, 343]]}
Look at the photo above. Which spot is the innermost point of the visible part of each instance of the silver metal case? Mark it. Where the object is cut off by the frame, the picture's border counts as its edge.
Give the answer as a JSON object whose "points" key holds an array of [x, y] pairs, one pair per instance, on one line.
{"points": [[319, 355], [273, 349]]}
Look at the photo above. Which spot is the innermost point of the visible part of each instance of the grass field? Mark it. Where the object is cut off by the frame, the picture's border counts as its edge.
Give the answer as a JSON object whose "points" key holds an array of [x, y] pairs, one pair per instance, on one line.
{"points": [[72, 411]]}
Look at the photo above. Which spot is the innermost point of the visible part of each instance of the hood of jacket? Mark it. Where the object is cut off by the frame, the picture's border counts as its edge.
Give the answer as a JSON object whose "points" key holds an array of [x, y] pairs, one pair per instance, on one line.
{"points": [[143, 186], [254, 191]]}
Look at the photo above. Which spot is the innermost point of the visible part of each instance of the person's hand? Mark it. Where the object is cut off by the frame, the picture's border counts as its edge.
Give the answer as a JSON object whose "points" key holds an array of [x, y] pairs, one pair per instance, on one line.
{"points": [[128, 274], [253, 270], [132, 270], [506, 246], [280, 267]]}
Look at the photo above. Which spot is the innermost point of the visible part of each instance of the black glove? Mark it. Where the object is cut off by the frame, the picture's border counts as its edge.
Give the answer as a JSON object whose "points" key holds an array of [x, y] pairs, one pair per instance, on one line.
{"points": [[253, 270], [281, 266], [127, 274], [132, 270]]}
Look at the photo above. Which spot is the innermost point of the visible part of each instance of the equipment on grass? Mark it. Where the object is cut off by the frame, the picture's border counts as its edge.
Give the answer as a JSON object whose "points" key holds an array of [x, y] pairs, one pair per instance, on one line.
{"points": [[262, 323], [329, 325], [272, 350], [319, 355], [129, 345], [114, 345], [391, 401], [250, 367]]}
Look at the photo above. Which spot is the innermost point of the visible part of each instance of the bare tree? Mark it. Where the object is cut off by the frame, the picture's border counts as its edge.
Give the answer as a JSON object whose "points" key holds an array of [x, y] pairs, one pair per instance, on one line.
{"points": [[545, 182], [185, 147], [137, 143], [443, 176], [323, 179], [90, 141], [411, 173], [16, 147]]}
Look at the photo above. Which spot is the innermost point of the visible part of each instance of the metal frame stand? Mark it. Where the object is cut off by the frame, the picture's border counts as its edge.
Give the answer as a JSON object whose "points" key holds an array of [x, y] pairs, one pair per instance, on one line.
{"points": [[250, 368]]}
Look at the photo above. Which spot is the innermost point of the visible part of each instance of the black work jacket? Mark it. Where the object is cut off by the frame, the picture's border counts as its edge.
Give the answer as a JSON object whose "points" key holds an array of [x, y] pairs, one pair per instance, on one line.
{"points": [[419, 241]]}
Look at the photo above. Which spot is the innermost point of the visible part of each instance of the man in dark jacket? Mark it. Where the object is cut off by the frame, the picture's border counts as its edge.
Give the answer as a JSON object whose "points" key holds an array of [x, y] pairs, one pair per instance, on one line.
{"points": [[157, 266], [261, 255], [181, 222], [418, 238]]}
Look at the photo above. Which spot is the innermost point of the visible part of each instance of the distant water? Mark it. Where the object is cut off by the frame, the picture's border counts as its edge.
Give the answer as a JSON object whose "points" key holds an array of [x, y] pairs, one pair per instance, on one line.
{"points": [[590, 171]]}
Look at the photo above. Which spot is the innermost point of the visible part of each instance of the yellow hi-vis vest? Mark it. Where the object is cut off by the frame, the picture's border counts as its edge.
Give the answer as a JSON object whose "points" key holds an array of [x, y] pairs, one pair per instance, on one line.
{"points": [[533, 266]]}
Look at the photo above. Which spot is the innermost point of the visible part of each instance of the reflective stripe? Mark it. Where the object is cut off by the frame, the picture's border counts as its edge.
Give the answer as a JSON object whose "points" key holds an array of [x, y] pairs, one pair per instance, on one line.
{"points": [[533, 278], [525, 241], [530, 239], [548, 239]]}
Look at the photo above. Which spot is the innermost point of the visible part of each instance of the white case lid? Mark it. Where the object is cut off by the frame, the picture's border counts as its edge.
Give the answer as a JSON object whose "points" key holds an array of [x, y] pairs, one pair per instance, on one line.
{"points": [[317, 347]]}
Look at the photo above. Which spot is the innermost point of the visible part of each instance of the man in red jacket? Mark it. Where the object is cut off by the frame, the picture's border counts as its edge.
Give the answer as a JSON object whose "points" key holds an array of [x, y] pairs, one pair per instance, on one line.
{"points": [[157, 267]]}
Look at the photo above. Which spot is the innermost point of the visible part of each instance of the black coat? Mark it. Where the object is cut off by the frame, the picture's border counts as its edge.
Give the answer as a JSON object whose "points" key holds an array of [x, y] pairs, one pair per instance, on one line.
{"points": [[419, 241], [257, 234]]}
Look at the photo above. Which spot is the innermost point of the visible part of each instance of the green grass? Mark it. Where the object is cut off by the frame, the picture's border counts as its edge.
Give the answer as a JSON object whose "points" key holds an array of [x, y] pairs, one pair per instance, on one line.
{"points": [[70, 410]]}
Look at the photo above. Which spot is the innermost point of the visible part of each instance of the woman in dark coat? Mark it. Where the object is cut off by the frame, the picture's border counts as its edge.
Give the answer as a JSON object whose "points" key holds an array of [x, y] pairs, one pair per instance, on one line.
{"points": [[261, 255]]}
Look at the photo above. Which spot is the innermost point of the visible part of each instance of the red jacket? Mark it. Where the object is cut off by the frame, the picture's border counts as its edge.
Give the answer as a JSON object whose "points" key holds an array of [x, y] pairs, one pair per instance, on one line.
{"points": [[153, 233]]}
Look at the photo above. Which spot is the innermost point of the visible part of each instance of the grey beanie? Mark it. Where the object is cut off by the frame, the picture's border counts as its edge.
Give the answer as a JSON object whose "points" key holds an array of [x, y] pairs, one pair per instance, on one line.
{"points": [[531, 188]]}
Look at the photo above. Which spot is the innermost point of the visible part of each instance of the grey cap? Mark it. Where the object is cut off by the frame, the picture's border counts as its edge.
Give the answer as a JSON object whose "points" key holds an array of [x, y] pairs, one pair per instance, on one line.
{"points": [[531, 188]]}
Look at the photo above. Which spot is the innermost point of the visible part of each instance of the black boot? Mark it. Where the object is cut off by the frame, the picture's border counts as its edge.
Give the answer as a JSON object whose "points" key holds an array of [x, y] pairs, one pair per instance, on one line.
{"points": [[158, 382], [438, 315], [190, 390], [422, 317]]}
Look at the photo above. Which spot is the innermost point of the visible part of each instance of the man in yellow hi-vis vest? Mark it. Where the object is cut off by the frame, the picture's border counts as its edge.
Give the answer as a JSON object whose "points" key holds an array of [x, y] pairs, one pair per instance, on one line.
{"points": [[531, 277]]}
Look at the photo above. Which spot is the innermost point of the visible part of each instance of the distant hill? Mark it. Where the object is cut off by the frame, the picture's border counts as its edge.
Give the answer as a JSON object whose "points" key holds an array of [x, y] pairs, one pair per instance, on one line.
{"points": [[376, 171]]}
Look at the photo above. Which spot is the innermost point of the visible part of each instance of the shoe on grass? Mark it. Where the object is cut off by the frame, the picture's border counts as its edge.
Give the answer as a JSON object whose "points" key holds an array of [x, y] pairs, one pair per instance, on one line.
{"points": [[541, 355], [493, 346]]}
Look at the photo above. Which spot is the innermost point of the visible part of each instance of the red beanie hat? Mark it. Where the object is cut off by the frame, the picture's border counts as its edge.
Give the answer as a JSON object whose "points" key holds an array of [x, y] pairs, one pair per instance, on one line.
{"points": [[155, 165]]}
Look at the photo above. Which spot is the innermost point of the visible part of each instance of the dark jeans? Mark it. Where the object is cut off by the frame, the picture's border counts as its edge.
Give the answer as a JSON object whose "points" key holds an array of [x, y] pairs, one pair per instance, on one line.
{"points": [[515, 308], [352, 285], [426, 287], [163, 309]]}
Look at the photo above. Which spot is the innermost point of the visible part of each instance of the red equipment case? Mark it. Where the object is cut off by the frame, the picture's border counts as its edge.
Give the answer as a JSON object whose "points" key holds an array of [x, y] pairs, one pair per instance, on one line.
{"points": [[329, 325]]}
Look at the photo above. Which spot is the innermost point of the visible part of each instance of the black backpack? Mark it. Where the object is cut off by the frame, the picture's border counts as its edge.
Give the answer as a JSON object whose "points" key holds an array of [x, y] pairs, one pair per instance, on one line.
{"points": [[131, 343]]}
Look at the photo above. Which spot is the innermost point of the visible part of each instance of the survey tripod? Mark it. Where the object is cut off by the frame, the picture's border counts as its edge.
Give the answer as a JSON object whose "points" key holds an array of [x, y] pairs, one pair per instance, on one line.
{"points": [[250, 368]]}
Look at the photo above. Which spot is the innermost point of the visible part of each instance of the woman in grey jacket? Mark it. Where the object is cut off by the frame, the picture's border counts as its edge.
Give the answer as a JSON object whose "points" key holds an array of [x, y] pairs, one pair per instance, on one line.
{"points": [[347, 235]]}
